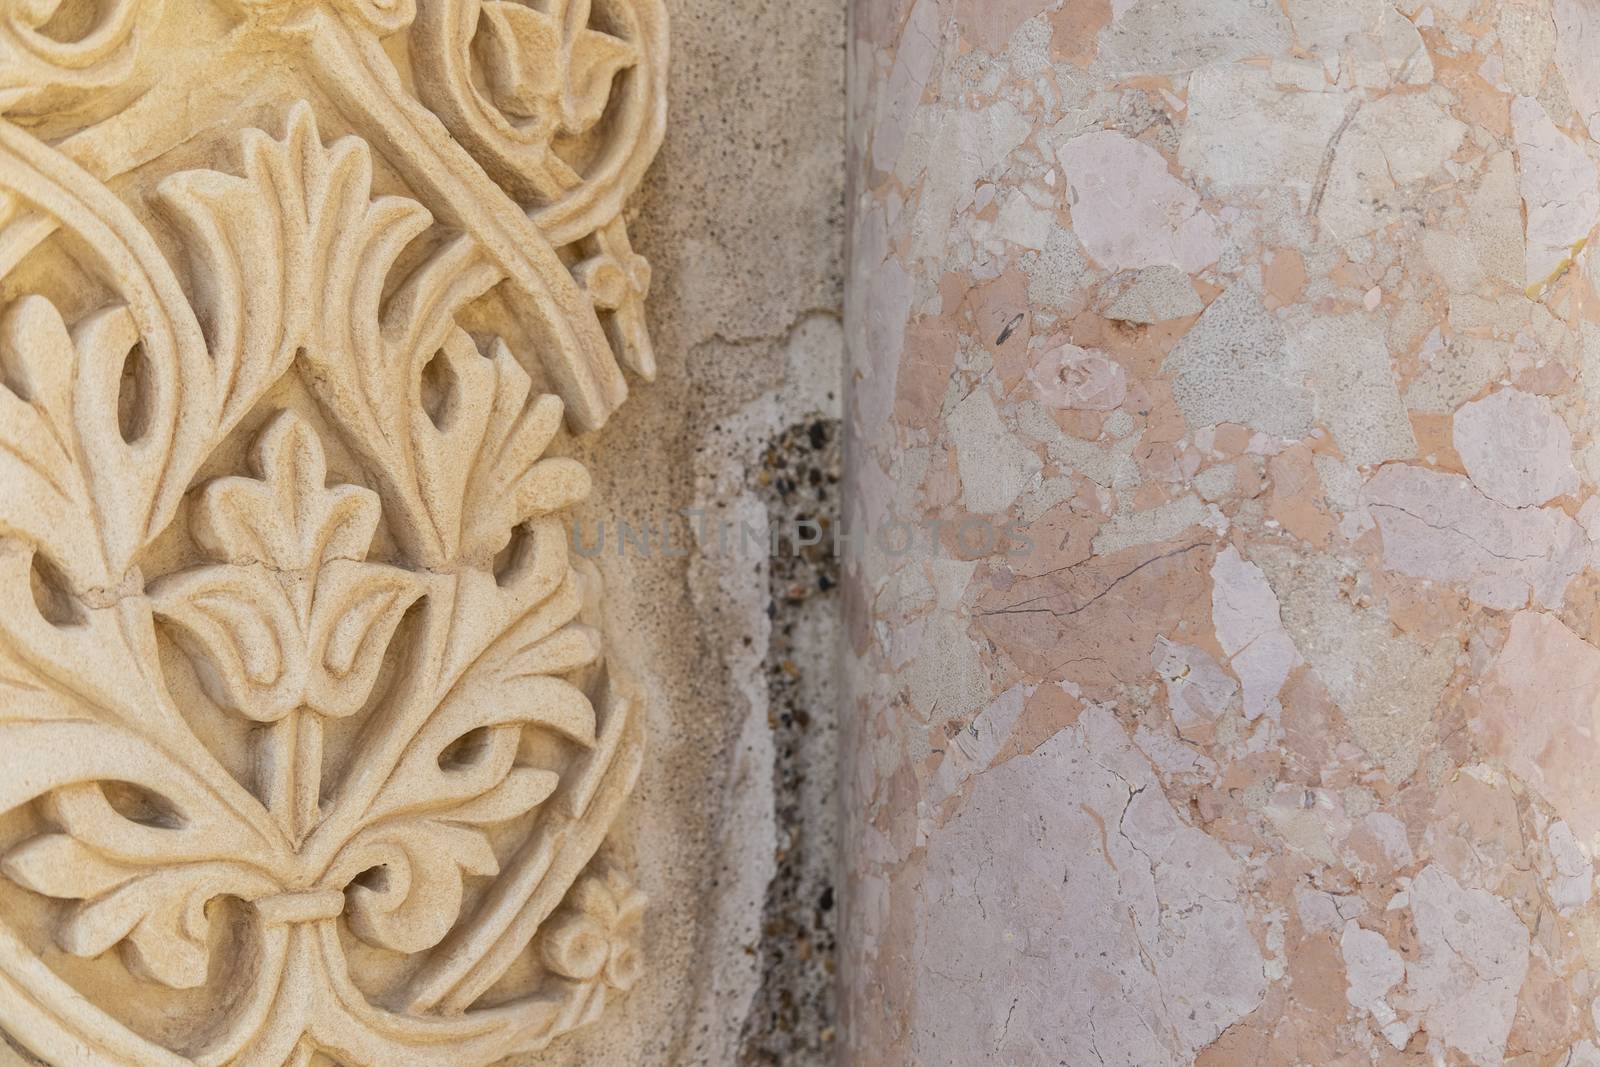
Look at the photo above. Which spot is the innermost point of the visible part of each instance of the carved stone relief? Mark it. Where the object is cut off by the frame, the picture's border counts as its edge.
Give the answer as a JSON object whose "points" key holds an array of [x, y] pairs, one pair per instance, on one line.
{"points": [[309, 747]]}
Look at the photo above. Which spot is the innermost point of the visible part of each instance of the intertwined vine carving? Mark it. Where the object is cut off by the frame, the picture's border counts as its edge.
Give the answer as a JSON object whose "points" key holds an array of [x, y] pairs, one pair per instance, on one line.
{"points": [[304, 706]]}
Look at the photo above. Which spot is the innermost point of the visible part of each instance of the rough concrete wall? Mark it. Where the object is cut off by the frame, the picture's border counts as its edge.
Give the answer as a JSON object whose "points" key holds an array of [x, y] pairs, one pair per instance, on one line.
{"points": [[741, 218], [1265, 335]]}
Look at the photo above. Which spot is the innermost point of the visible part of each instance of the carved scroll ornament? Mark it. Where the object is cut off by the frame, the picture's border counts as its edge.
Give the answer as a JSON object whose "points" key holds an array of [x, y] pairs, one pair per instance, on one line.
{"points": [[309, 748]]}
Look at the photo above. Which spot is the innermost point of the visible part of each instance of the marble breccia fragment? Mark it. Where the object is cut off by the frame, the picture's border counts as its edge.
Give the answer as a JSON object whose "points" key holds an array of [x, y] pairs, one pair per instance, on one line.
{"points": [[1440, 527], [1265, 735], [1515, 448], [1244, 612], [311, 744], [1560, 190], [1150, 881], [1134, 213]]}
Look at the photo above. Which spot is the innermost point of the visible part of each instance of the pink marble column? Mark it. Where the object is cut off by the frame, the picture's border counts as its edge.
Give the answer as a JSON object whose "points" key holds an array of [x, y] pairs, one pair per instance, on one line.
{"points": [[1230, 364]]}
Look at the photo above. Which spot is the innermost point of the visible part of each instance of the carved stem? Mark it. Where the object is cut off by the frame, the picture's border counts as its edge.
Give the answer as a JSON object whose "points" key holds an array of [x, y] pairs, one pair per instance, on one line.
{"points": [[358, 75], [291, 772], [383, 742]]}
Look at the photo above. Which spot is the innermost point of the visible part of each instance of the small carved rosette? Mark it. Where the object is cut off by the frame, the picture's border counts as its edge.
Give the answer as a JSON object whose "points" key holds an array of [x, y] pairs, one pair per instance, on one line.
{"points": [[309, 748]]}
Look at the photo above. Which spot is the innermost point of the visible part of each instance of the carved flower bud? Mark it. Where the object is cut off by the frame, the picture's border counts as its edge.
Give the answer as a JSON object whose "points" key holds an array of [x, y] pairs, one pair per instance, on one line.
{"points": [[625, 965], [597, 933], [575, 946], [549, 65]]}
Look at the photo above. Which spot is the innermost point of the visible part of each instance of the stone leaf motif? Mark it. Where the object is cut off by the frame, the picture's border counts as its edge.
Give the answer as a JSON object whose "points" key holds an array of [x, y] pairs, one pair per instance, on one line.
{"points": [[460, 774], [549, 65], [65, 396], [146, 885], [288, 623]]}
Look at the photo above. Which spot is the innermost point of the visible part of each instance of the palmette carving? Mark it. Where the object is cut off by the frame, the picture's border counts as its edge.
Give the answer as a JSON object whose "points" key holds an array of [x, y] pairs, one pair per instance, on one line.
{"points": [[392, 857]]}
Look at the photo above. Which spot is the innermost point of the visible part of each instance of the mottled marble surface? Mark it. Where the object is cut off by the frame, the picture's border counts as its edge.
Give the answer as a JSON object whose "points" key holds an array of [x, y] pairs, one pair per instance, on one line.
{"points": [[1264, 730]]}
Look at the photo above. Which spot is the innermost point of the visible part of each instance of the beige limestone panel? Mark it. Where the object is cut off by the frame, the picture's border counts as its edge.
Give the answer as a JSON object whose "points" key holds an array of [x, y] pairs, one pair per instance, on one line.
{"points": [[323, 746]]}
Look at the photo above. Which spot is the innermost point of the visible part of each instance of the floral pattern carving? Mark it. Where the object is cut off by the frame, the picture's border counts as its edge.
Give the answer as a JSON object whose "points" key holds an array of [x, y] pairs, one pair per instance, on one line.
{"points": [[561, 100], [291, 616], [549, 66], [40, 68], [303, 704]]}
